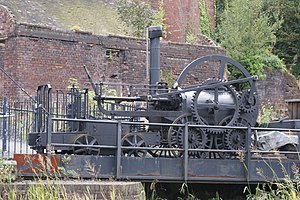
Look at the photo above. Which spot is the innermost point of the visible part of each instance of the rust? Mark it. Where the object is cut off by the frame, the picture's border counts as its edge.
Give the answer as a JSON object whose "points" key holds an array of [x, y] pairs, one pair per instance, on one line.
{"points": [[194, 175], [148, 174], [36, 163]]}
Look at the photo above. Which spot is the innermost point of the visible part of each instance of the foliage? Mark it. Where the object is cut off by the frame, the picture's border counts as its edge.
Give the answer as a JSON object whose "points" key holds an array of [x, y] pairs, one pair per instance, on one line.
{"points": [[190, 36], [219, 6], [248, 35], [167, 77], [257, 63], [205, 25], [272, 61], [287, 188], [6, 171], [136, 14], [158, 18], [73, 83], [288, 36], [267, 114], [76, 28]]}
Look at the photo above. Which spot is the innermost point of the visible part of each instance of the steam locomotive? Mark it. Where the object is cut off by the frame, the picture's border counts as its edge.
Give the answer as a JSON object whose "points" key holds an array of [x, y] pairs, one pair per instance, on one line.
{"points": [[229, 99]]}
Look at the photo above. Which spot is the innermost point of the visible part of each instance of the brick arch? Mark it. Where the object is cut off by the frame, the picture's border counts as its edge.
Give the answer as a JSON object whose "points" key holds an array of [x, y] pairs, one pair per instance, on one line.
{"points": [[7, 22]]}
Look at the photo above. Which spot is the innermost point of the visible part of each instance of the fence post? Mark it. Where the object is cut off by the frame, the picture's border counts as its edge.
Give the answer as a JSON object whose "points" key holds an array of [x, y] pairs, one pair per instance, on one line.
{"points": [[119, 150], [248, 152], [186, 153], [5, 115]]}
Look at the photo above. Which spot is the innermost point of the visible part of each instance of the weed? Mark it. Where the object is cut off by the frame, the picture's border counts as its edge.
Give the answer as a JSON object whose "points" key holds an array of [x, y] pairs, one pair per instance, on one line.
{"points": [[281, 188]]}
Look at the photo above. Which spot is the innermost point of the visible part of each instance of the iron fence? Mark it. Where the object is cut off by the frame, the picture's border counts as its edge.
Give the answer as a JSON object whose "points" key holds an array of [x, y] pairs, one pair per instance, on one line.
{"points": [[17, 119]]}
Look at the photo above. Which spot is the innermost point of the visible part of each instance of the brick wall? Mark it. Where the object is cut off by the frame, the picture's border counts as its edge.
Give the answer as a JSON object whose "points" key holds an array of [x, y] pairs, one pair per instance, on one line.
{"points": [[277, 87], [39, 55], [180, 16]]}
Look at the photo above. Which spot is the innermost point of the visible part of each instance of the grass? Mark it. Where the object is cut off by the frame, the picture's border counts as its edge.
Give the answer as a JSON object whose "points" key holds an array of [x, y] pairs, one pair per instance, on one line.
{"points": [[46, 187], [86, 15]]}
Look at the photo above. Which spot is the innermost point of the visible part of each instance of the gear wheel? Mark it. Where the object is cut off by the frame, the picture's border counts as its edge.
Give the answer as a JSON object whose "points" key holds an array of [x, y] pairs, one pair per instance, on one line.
{"points": [[197, 137], [235, 139], [208, 109], [245, 104]]}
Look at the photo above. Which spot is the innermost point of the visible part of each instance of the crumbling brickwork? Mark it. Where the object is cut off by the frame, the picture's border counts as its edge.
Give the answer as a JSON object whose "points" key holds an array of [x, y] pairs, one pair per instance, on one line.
{"points": [[39, 55]]}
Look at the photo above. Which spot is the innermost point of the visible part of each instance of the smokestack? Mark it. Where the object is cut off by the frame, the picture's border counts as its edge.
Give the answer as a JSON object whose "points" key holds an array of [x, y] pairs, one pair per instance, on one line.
{"points": [[154, 33]]}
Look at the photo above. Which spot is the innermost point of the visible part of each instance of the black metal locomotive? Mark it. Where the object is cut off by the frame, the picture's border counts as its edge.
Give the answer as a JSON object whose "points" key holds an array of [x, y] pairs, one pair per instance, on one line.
{"points": [[229, 99]]}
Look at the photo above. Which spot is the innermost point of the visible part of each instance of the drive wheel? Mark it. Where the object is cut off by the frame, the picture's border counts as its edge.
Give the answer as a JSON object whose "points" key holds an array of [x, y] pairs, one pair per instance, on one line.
{"points": [[86, 149]]}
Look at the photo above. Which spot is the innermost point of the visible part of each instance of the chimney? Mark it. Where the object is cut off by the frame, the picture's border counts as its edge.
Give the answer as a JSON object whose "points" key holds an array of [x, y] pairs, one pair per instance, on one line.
{"points": [[154, 33]]}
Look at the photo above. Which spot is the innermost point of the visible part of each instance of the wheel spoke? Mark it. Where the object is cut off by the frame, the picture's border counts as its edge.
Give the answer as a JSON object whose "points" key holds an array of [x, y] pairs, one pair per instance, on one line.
{"points": [[140, 143], [133, 140], [129, 142], [93, 141], [81, 150], [86, 140], [222, 69]]}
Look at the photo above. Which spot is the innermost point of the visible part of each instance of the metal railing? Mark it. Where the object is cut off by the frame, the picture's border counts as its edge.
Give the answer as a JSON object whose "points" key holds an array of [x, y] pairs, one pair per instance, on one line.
{"points": [[17, 119], [247, 152]]}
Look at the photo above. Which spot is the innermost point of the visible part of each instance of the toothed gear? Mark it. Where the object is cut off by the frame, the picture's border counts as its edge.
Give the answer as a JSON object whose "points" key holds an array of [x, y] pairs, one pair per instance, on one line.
{"points": [[235, 139], [230, 109], [248, 105], [197, 138]]}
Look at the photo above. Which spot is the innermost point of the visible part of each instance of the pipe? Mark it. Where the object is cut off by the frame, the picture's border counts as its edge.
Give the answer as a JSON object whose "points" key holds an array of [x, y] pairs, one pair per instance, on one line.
{"points": [[154, 34]]}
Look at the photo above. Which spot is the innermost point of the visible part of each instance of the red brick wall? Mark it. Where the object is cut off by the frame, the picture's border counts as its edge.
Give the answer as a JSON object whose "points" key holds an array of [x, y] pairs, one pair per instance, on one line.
{"points": [[181, 15], [38, 55], [7, 22]]}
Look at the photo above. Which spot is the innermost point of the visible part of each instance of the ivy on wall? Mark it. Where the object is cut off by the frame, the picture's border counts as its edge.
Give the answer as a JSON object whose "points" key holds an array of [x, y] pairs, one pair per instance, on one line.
{"points": [[205, 25], [159, 18]]}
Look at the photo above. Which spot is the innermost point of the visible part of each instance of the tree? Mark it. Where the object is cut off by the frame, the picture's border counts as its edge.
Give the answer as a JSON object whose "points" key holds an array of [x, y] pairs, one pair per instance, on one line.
{"points": [[136, 14], [287, 46], [248, 34]]}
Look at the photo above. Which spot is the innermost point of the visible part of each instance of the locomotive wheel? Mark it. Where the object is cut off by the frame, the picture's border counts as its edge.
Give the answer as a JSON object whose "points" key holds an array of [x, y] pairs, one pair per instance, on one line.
{"points": [[86, 140], [197, 138], [133, 140], [218, 144], [235, 139]]}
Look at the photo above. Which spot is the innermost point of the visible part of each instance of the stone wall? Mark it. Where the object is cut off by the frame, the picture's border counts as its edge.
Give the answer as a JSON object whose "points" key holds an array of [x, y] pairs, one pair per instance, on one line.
{"points": [[37, 55], [277, 87]]}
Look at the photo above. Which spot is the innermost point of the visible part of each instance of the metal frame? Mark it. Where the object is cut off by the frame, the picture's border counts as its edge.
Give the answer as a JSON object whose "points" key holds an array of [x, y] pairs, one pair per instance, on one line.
{"points": [[182, 168]]}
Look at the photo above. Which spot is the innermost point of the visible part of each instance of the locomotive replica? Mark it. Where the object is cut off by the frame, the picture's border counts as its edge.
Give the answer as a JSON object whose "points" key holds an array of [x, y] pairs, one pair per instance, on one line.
{"points": [[211, 109]]}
